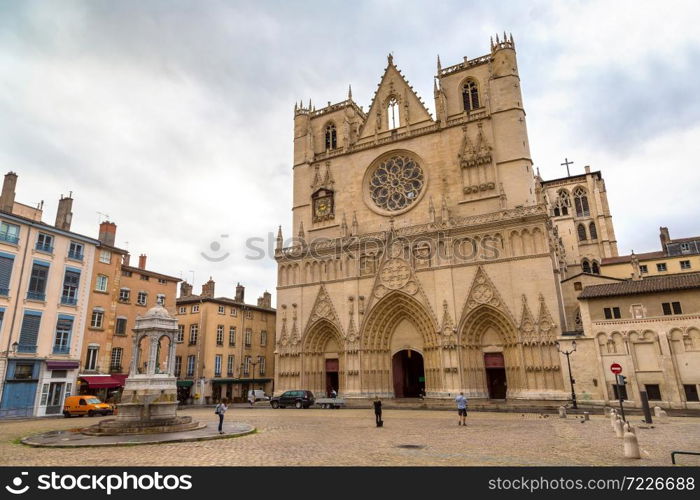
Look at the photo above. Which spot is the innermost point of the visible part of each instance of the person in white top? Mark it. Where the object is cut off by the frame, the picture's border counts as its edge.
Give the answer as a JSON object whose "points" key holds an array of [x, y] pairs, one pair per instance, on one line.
{"points": [[220, 410], [461, 409]]}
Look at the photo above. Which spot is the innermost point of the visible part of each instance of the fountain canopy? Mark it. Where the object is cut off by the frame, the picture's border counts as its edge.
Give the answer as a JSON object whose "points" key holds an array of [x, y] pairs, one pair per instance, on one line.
{"points": [[149, 400]]}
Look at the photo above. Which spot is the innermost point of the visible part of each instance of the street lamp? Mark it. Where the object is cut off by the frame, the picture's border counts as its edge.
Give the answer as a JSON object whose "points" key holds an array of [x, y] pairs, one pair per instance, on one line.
{"points": [[571, 377]]}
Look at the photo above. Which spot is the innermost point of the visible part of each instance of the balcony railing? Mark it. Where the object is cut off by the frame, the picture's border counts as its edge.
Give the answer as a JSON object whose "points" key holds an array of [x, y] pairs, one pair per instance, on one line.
{"points": [[68, 301], [36, 295], [115, 368], [61, 349], [26, 348], [41, 247], [75, 255], [9, 238]]}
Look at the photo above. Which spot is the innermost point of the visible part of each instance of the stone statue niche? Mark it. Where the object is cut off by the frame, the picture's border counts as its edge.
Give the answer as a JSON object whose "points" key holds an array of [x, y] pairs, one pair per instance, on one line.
{"points": [[149, 400]]}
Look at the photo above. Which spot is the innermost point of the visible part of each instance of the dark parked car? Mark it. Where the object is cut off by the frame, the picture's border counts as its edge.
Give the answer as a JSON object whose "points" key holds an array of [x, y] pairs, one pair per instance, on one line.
{"points": [[297, 399]]}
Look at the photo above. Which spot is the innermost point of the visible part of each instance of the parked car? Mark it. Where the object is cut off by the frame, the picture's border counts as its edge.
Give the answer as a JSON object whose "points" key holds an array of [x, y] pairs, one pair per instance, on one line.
{"points": [[297, 399], [259, 396], [85, 405]]}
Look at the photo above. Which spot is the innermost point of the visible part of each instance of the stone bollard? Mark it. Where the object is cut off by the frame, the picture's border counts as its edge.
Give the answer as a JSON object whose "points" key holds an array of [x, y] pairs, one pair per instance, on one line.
{"points": [[619, 432], [613, 418], [663, 416], [657, 411], [606, 410], [562, 412], [630, 443], [586, 416]]}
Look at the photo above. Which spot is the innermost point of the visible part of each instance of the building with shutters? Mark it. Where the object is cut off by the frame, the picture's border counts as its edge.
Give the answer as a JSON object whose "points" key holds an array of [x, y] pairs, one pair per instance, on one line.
{"points": [[119, 293], [225, 347], [45, 273]]}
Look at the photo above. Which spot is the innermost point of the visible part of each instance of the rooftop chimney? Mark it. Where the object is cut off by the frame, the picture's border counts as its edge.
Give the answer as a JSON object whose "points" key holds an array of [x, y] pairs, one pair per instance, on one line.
{"points": [[208, 288], [265, 300], [240, 293], [64, 216], [108, 233], [7, 198], [664, 236], [185, 289], [142, 261]]}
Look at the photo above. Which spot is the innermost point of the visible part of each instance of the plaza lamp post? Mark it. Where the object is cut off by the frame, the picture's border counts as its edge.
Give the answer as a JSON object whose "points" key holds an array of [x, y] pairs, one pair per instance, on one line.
{"points": [[571, 377]]}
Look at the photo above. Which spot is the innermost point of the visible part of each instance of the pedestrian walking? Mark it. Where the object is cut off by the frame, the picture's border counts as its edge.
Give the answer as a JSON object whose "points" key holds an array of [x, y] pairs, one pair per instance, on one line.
{"points": [[220, 410], [461, 409], [378, 412]]}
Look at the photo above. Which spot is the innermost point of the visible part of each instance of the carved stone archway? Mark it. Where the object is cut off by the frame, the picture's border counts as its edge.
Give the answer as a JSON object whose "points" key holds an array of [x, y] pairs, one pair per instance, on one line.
{"points": [[394, 311]]}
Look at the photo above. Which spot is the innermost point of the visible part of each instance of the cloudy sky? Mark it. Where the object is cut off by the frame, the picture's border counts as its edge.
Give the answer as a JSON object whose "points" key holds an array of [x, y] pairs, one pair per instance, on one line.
{"points": [[175, 117]]}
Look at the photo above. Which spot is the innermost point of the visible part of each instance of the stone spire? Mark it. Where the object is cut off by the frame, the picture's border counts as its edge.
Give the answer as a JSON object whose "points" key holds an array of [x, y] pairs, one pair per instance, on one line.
{"points": [[278, 241]]}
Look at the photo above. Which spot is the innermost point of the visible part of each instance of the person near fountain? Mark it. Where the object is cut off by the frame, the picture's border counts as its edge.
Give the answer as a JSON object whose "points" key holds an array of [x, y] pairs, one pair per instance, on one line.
{"points": [[220, 410]]}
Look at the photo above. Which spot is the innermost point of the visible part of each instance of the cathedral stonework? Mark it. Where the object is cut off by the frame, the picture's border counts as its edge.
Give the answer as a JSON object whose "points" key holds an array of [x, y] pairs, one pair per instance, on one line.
{"points": [[426, 261]]}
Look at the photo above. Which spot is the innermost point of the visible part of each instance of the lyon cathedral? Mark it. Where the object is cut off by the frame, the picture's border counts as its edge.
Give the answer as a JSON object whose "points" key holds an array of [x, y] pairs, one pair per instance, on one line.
{"points": [[428, 256]]}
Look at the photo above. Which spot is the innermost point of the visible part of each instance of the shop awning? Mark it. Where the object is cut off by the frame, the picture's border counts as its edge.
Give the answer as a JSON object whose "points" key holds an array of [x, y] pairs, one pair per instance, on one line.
{"points": [[62, 365], [102, 382], [184, 383]]}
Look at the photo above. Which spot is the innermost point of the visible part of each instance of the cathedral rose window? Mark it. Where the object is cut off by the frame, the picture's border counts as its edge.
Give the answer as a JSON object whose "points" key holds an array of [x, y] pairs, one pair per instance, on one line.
{"points": [[396, 183]]}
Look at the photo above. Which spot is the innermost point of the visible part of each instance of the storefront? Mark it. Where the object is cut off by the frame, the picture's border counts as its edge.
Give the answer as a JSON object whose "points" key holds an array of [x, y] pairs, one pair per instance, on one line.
{"points": [[107, 388], [19, 391], [56, 383], [236, 389], [184, 388]]}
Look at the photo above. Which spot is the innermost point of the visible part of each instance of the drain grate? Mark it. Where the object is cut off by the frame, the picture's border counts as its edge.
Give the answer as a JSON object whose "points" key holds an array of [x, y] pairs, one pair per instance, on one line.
{"points": [[411, 446]]}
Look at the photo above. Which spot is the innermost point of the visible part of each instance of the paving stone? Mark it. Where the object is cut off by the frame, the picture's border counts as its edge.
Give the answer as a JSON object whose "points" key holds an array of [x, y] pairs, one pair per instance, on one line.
{"points": [[350, 438]]}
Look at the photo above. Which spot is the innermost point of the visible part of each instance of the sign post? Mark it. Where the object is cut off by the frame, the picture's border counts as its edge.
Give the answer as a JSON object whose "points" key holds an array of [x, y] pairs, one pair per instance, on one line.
{"points": [[620, 381]]}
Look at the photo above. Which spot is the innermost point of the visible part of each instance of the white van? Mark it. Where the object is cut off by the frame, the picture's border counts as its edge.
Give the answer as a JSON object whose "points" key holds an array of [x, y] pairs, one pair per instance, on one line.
{"points": [[259, 395]]}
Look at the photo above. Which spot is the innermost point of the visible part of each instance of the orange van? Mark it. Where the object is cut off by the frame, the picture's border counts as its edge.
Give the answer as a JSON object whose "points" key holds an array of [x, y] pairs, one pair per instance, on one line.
{"points": [[85, 405]]}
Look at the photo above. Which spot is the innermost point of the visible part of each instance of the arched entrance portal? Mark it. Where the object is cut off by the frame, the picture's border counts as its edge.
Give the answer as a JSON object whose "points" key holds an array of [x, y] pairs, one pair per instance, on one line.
{"points": [[323, 359], [495, 374], [409, 374]]}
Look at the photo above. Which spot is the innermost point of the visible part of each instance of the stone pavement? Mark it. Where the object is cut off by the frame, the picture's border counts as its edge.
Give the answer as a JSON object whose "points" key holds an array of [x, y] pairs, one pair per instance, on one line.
{"points": [[349, 437]]}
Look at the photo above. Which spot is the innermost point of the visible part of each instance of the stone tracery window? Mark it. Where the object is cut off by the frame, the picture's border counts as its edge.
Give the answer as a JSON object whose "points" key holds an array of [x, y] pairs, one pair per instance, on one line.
{"points": [[562, 203], [592, 230], [396, 183], [331, 137], [392, 113], [581, 232], [470, 95], [595, 268], [586, 266], [581, 202]]}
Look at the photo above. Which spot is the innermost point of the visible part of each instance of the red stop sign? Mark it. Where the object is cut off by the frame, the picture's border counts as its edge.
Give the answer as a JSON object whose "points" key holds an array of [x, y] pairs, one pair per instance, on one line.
{"points": [[616, 368]]}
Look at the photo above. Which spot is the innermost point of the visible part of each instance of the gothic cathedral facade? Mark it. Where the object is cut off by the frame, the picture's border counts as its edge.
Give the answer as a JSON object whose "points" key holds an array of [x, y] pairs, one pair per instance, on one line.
{"points": [[425, 260]]}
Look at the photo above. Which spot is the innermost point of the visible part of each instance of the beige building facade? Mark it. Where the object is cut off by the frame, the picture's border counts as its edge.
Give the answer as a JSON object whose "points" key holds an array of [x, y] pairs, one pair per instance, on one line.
{"points": [[424, 260], [224, 347], [651, 327]]}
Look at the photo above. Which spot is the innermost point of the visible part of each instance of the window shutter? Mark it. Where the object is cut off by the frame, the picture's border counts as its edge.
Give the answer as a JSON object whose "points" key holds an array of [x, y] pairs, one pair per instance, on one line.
{"points": [[30, 329], [5, 271]]}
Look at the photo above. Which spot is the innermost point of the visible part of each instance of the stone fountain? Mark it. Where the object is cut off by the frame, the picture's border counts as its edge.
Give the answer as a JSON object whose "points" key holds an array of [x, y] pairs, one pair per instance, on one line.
{"points": [[149, 400]]}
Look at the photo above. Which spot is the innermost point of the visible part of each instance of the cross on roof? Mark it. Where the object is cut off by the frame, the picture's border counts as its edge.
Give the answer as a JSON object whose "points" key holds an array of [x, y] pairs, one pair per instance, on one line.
{"points": [[567, 163]]}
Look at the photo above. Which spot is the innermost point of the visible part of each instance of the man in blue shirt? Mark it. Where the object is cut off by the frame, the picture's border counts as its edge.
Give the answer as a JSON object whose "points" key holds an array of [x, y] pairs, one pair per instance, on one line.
{"points": [[461, 409]]}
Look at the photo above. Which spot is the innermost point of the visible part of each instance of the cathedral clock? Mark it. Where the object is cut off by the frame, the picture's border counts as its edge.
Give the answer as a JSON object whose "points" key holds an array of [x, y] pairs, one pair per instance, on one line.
{"points": [[322, 203]]}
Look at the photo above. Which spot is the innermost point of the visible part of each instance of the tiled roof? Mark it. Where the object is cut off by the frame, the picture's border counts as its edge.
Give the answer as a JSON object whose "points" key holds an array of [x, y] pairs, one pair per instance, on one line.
{"points": [[194, 299], [651, 284], [627, 258]]}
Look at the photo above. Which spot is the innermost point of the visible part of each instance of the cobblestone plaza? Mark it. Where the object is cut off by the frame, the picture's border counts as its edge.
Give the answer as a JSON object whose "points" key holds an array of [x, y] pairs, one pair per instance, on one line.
{"points": [[349, 438]]}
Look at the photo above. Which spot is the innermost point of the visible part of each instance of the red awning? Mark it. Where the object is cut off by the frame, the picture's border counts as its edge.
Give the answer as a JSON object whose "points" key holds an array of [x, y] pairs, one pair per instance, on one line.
{"points": [[104, 382], [62, 365]]}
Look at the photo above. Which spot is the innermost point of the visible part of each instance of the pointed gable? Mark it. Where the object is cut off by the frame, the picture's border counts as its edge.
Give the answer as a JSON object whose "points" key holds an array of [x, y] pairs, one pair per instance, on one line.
{"points": [[412, 111]]}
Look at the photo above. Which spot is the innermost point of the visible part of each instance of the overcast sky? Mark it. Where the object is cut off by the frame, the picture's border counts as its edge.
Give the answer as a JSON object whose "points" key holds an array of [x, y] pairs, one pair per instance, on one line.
{"points": [[175, 117]]}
